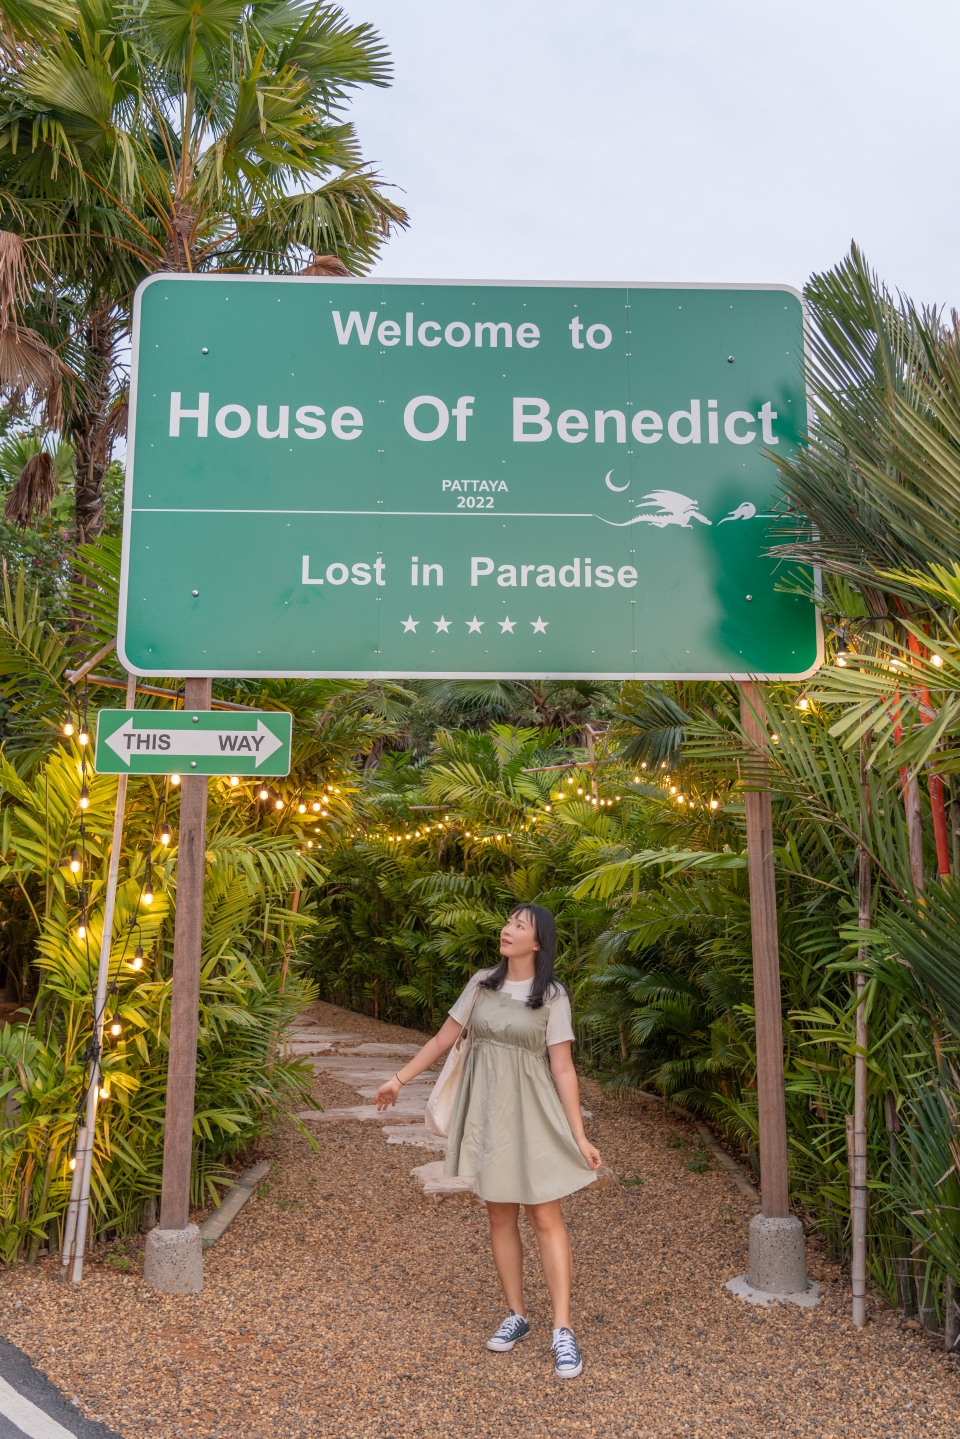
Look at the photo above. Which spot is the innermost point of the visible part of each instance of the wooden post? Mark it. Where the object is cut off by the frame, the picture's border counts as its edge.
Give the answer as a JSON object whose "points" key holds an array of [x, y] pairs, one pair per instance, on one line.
{"points": [[185, 1000], [766, 968]]}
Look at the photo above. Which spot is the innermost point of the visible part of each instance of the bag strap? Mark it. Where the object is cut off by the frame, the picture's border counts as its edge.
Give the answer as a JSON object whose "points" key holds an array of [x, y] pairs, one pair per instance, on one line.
{"points": [[467, 1021]]}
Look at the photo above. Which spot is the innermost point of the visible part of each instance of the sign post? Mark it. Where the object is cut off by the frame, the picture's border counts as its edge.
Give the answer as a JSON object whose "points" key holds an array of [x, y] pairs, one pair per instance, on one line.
{"points": [[194, 743], [380, 478]]}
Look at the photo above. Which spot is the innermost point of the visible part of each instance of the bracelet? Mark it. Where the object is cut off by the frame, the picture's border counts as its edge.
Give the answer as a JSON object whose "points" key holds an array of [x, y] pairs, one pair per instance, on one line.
{"points": [[400, 1081]]}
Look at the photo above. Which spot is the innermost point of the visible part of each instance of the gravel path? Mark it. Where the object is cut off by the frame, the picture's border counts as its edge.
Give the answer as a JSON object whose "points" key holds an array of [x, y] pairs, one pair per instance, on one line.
{"points": [[343, 1302]]}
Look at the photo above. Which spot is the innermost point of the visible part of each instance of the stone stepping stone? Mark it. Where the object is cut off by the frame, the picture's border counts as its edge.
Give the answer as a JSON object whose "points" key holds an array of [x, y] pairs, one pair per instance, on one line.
{"points": [[411, 1113], [432, 1180], [413, 1091], [373, 1048], [416, 1134]]}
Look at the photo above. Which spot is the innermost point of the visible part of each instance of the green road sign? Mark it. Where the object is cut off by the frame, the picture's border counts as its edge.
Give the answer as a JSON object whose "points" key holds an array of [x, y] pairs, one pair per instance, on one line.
{"points": [[382, 478], [193, 742]]}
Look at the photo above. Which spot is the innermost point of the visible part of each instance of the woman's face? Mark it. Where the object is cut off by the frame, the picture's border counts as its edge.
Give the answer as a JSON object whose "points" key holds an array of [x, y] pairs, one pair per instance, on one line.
{"points": [[518, 938]]}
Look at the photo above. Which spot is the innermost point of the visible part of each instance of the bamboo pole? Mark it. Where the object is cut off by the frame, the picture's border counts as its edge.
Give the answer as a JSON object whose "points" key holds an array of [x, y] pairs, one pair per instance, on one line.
{"points": [[79, 1236], [860, 1076]]}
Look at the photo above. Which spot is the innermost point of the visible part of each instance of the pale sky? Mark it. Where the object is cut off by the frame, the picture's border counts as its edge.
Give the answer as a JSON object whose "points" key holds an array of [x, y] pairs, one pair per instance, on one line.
{"points": [[693, 140]]}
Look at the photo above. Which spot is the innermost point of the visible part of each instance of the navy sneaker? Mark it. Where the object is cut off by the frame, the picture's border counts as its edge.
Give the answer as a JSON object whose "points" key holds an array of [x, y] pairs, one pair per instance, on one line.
{"points": [[568, 1361], [511, 1330]]}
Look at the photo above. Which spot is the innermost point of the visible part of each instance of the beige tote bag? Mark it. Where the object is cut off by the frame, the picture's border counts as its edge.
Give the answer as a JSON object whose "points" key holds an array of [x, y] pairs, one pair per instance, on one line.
{"points": [[440, 1104]]}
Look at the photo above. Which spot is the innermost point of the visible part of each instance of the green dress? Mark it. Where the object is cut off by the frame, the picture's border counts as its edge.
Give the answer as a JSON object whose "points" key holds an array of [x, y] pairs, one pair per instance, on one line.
{"points": [[508, 1131]]}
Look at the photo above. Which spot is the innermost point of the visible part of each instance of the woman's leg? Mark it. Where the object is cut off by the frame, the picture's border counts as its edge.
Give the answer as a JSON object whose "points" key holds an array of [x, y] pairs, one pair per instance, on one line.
{"points": [[507, 1252], [556, 1256]]}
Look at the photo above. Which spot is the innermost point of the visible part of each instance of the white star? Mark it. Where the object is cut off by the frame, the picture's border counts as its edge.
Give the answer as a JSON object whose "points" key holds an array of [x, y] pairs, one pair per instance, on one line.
{"points": [[539, 626], [443, 625], [507, 626], [410, 624], [474, 626]]}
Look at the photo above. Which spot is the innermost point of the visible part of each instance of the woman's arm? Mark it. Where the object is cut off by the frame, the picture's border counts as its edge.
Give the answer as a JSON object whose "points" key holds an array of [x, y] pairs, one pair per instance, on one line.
{"points": [[565, 1078], [431, 1051]]}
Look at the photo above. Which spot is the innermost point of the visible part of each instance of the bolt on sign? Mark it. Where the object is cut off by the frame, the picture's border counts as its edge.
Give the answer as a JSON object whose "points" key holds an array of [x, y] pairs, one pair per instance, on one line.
{"points": [[193, 742], [331, 477]]}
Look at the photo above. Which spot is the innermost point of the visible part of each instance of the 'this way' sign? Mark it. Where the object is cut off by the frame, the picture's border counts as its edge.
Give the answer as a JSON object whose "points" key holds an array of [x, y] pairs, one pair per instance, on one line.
{"points": [[193, 742], [382, 478]]}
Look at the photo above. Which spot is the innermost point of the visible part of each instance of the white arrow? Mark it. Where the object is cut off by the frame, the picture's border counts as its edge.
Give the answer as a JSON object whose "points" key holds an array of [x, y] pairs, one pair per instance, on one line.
{"points": [[129, 741]]}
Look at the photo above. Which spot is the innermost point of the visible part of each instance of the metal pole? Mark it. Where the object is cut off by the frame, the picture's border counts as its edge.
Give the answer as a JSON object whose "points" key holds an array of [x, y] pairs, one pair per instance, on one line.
{"points": [[185, 1000], [100, 1004], [766, 968]]}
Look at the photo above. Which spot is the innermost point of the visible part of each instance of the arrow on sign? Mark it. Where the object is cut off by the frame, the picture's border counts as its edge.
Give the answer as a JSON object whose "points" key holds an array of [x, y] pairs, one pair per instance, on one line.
{"points": [[128, 742]]}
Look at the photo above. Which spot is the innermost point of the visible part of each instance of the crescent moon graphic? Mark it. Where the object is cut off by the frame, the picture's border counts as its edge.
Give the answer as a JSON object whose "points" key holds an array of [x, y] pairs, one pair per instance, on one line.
{"points": [[616, 488]]}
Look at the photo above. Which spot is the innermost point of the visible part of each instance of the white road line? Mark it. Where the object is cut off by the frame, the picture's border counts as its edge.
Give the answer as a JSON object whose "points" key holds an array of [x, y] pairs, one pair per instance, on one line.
{"points": [[28, 1417]]}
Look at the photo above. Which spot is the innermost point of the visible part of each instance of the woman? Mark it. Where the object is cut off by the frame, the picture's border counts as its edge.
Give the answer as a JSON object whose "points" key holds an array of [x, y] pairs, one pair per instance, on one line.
{"points": [[516, 1134]]}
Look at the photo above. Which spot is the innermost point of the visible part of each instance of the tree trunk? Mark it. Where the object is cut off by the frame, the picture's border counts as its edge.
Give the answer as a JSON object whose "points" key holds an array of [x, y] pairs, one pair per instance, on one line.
{"points": [[90, 428]]}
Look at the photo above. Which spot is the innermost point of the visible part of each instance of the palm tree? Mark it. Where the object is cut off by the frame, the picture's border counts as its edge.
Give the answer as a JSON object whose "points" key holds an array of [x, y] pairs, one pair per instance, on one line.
{"points": [[185, 135]]}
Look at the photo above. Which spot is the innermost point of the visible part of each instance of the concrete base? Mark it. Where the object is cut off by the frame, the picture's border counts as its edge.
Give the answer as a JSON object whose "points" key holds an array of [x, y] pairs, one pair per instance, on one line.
{"points": [[807, 1298], [173, 1262], [778, 1262]]}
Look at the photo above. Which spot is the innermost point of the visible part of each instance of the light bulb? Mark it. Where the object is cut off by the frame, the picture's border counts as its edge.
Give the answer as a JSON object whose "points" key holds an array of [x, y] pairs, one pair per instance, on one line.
{"points": [[775, 738], [73, 1162], [316, 806], [714, 804], [279, 804], [673, 789], [234, 780], [309, 844], [174, 779], [68, 726], [936, 660], [803, 703], [164, 833], [264, 794], [74, 862], [842, 660], [84, 797], [301, 809], [116, 1027], [81, 930], [547, 808], [643, 765], [104, 1092], [84, 734], [147, 895]]}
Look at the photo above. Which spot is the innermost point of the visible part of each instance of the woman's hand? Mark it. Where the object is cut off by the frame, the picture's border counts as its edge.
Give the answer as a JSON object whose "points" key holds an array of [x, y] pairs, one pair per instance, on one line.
{"points": [[590, 1153], [387, 1093]]}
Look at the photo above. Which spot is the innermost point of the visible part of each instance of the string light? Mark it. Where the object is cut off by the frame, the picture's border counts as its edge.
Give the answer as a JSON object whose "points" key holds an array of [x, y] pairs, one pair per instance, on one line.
{"points": [[82, 928], [116, 1027], [84, 797], [803, 703], [174, 779], [264, 793], [137, 961], [68, 725], [165, 833], [72, 1162], [84, 735], [301, 809], [147, 895], [936, 660], [714, 804], [278, 804], [104, 1091], [234, 780], [316, 806], [74, 861]]}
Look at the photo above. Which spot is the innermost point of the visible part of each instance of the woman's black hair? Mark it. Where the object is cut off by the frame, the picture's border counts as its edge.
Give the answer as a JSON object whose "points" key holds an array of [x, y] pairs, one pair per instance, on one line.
{"points": [[545, 983]]}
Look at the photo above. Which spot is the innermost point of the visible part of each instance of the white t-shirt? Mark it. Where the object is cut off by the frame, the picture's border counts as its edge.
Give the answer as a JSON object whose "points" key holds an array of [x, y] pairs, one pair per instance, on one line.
{"points": [[559, 1018]]}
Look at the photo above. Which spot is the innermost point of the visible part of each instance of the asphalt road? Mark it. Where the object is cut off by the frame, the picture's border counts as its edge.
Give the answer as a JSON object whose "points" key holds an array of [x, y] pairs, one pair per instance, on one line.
{"points": [[30, 1405]]}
